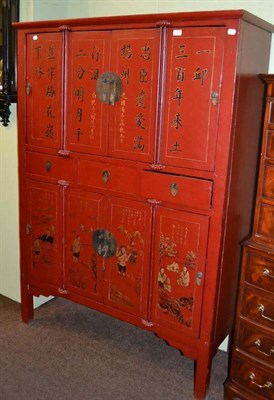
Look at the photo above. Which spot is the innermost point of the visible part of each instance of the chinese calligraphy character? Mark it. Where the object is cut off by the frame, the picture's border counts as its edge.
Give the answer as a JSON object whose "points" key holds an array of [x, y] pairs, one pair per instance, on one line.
{"points": [[140, 119], [79, 113], [38, 51], [138, 145], [140, 99], [50, 92], [180, 74], [95, 53], [145, 52], [39, 72], [203, 51], [80, 72], [51, 72], [94, 74], [178, 95], [200, 74], [125, 75], [182, 48], [81, 53], [50, 113], [143, 75], [175, 147], [126, 51], [51, 54], [49, 131], [177, 122], [78, 133], [79, 93]]}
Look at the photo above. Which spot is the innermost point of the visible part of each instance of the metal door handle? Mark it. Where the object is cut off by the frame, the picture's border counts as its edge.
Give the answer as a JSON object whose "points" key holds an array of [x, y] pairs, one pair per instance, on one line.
{"points": [[105, 176], [266, 272], [267, 385], [258, 345], [48, 165], [109, 88], [261, 309]]}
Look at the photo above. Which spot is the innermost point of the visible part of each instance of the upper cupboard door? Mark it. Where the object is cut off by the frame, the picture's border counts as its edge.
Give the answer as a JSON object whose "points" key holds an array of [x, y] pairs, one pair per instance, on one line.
{"points": [[88, 56], [135, 59], [44, 89], [193, 73]]}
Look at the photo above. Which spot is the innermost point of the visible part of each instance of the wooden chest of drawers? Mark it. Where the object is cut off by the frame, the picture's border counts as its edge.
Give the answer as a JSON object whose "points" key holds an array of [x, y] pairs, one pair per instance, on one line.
{"points": [[252, 359], [137, 161]]}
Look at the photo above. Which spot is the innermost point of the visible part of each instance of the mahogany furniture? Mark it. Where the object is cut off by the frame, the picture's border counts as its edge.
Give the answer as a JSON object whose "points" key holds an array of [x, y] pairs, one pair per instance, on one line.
{"points": [[251, 372], [138, 143]]}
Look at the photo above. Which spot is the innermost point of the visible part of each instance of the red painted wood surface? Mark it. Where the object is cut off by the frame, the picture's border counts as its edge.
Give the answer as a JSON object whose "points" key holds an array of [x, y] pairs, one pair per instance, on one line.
{"points": [[150, 195], [44, 89], [195, 65]]}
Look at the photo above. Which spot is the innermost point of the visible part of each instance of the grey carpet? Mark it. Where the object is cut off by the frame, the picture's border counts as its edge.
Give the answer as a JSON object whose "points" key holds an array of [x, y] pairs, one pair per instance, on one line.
{"points": [[74, 353]]}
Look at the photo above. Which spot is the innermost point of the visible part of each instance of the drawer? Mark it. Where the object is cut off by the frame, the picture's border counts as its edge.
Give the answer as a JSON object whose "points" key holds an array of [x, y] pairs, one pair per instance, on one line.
{"points": [[268, 182], [51, 166], [256, 342], [260, 271], [270, 141], [109, 177], [253, 377], [257, 305], [176, 189]]}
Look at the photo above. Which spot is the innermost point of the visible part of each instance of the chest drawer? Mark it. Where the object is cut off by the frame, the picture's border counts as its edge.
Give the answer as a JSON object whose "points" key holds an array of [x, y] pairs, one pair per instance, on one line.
{"points": [[256, 342], [109, 177], [257, 305], [49, 166], [260, 271], [177, 189], [254, 378]]}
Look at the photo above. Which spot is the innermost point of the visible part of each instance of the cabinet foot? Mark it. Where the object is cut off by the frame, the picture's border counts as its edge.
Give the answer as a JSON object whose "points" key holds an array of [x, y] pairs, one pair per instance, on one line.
{"points": [[27, 308], [202, 369]]}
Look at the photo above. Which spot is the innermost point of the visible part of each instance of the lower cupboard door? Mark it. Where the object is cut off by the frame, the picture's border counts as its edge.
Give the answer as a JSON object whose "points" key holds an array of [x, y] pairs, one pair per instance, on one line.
{"points": [[127, 268], [180, 243], [84, 214], [43, 233]]}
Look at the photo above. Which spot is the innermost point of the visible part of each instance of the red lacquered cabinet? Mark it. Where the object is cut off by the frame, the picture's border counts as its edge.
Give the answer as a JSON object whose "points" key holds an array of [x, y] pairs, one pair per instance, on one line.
{"points": [[138, 144]]}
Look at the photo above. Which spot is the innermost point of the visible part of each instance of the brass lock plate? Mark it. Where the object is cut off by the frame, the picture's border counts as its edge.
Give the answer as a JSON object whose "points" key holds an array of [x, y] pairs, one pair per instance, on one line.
{"points": [[109, 88]]}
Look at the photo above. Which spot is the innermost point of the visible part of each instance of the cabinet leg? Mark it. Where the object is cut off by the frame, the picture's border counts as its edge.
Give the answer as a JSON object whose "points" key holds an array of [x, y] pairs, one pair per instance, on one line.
{"points": [[202, 376], [26, 306]]}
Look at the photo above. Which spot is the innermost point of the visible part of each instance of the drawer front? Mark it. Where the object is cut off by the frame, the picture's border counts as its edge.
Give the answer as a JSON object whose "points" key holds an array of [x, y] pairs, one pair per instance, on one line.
{"points": [[257, 305], [260, 271], [109, 177], [49, 166], [254, 378], [177, 189], [256, 342]]}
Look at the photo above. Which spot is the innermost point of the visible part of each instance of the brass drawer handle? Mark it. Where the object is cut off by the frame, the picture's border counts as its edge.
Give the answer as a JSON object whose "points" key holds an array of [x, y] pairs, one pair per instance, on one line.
{"points": [[174, 189], [105, 176], [48, 165], [28, 89], [258, 345], [267, 273], [267, 385], [261, 309]]}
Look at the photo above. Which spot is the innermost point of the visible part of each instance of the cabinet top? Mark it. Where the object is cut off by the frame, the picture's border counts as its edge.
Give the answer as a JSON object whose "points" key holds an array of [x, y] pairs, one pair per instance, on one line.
{"points": [[151, 20]]}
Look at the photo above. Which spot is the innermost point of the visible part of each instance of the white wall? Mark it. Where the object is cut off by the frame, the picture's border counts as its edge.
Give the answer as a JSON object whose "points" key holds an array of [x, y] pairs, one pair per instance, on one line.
{"points": [[58, 9]]}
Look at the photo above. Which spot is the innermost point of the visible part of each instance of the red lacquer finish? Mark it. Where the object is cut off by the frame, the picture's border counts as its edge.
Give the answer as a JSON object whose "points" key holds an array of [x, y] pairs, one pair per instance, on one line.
{"points": [[87, 119], [180, 250], [195, 63], [44, 89], [133, 197]]}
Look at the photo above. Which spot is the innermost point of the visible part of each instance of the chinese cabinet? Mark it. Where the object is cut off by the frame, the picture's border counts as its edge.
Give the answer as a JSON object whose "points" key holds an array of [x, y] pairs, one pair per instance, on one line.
{"points": [[138, 144], [251, 371]]}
